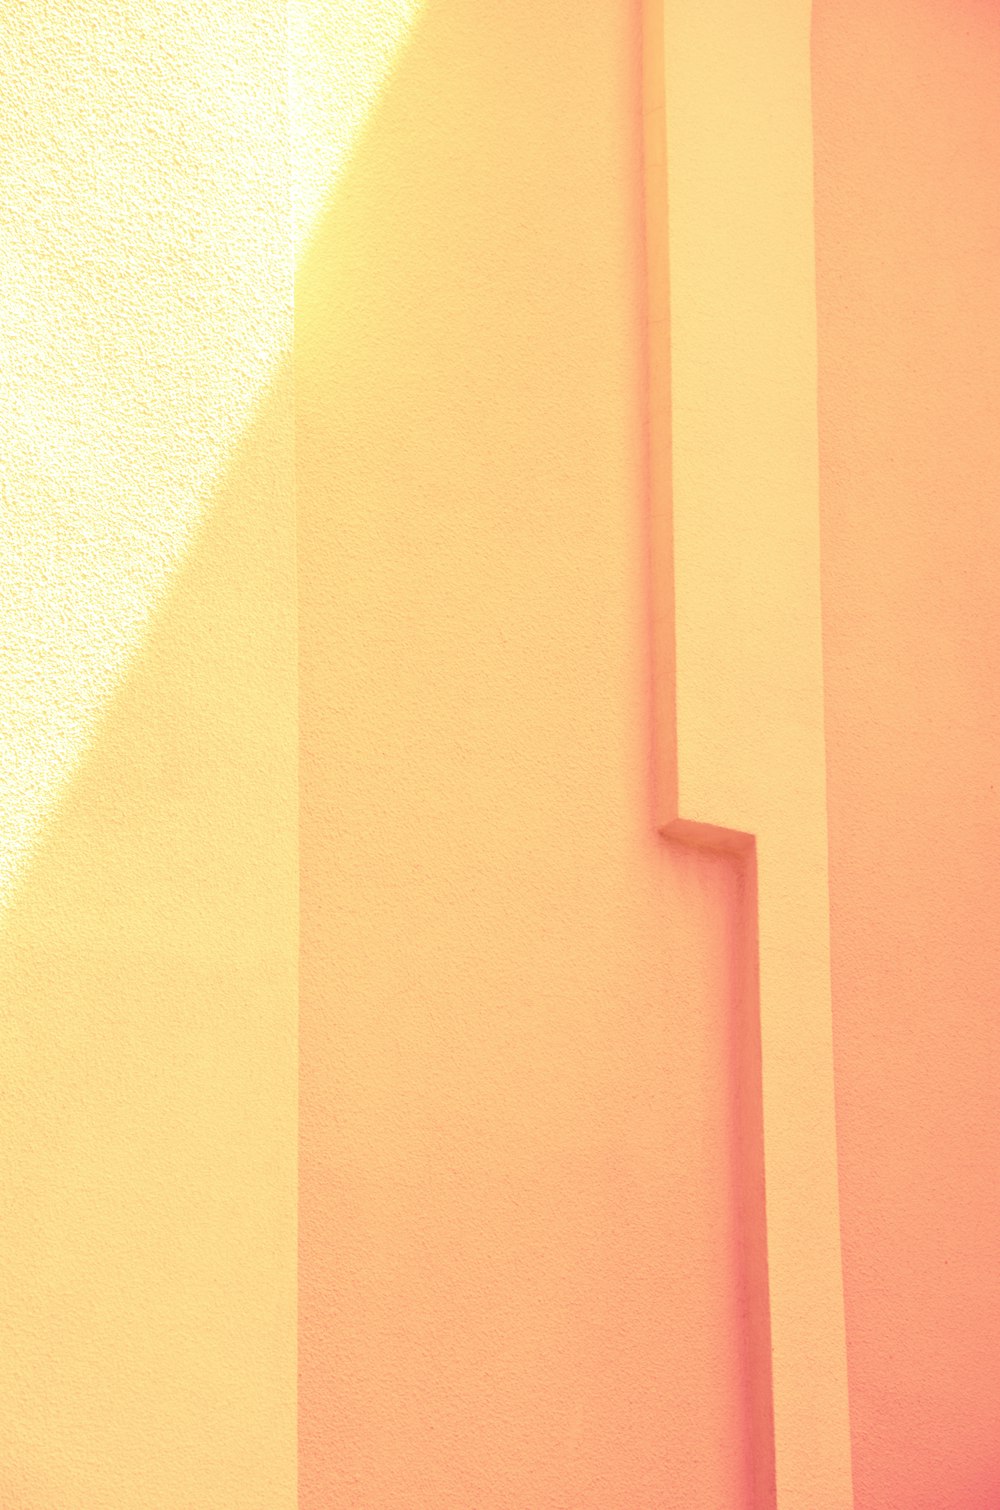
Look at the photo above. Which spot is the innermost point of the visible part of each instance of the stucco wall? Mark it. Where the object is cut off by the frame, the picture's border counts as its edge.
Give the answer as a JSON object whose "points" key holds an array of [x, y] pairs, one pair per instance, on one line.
{"points": [[152, 205], [327, 696], [520, 1265], [147, 802]]}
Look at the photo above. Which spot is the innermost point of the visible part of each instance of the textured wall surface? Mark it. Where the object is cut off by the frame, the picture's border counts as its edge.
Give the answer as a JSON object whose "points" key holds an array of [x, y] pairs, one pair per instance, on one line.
{"points": [[520, 1269], [147, 285], [908, 237], [147, 801], [148, 823], [417, 724]]}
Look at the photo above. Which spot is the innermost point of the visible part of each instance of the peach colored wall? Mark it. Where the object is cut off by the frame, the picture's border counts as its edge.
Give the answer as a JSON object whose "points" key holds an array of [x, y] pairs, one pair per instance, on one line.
{"points": [[523, 1279], [734, 500], [520, 1273], [151, 157], [148, 723], [907, 104]]}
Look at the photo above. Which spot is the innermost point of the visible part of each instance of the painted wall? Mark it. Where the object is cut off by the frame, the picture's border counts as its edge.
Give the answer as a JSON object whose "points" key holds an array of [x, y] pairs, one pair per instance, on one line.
{"points": [[907, 108], [147, 804], [152, 205], [520, 1268], [518, 1246], [479, 343], [385, 775]]}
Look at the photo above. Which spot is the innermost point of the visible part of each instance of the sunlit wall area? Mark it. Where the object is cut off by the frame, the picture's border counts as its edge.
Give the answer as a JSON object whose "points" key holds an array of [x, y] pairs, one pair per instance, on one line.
{"points": [[342, 54], [147, 287], [151, 152], [147, 840], [150, 216]]}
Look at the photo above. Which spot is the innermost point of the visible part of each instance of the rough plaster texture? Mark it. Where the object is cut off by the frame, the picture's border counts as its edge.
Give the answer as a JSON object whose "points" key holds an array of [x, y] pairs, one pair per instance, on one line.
{"points": [[151, 211], [522, 1260], [146, 288], [341, 53], [148, 972], [147, 800], [908, 241]]}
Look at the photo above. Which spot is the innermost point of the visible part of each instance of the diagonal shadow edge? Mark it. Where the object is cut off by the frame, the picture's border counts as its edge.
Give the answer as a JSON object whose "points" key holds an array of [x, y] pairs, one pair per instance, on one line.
{"points": [[163, 882]]}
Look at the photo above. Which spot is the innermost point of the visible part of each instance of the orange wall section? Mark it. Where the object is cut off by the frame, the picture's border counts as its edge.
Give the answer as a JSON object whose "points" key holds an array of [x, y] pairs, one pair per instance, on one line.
{"points": [[739, 655], [423, 812], [907, 105], [520, 1265]]}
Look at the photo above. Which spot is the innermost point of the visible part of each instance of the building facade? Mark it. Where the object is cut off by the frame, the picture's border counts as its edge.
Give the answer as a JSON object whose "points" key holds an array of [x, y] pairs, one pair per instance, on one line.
{"points": [[443, 504]]}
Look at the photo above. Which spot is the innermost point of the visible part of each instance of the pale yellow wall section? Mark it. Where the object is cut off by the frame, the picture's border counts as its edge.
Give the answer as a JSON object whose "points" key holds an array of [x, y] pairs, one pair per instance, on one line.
{"points": [[147, 801], [341, 54], [149, 218], [145, 291], [740, 696]]}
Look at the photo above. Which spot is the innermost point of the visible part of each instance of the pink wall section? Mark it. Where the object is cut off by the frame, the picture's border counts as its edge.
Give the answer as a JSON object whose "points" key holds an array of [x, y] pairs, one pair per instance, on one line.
{"points": [[907, 108]]}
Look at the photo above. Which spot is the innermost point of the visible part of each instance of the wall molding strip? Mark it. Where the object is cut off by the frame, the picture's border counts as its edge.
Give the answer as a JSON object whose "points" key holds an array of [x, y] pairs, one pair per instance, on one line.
{"points": [[738, 656]]}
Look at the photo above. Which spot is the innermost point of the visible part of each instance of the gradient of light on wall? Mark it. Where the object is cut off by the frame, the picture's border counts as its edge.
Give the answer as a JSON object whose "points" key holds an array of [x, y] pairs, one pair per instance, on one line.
{"points": [[147, 252]]}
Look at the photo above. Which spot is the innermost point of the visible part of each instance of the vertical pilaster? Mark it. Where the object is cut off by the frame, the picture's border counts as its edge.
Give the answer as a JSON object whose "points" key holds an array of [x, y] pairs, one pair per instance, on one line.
{"points": [[739, 698]]}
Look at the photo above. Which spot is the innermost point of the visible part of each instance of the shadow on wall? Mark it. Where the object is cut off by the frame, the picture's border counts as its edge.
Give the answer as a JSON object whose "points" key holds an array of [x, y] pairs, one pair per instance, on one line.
{"points": [[520, 1262], [521, 1273], [148, 969]]}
